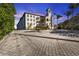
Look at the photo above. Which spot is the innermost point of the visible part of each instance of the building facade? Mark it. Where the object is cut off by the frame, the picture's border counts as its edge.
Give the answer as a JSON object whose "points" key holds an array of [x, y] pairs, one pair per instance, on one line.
{"points": [[30, 21]]}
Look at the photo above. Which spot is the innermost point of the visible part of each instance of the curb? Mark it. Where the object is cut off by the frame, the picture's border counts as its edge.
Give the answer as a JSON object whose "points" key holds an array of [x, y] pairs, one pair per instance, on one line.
{"points": [[48, 37]]}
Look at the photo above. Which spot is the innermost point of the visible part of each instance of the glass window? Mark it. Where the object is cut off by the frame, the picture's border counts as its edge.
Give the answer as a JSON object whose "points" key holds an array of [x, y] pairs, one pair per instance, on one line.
{"points": [[27, 15], [34, 20], [47, 20], [27, 19], [37, 21], [30, 19], [30, 15], [37, 18], [33, 23]]}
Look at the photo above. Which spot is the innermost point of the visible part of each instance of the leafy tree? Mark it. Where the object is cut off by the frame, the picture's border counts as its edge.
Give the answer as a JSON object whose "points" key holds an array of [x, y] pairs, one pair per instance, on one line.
{"points": [[68, 13], [7, 11], [72, 7], [72, 23]]}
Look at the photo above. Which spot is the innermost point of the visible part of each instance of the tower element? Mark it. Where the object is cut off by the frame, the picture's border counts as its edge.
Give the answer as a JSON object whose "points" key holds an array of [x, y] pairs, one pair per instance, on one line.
{"points": [[49, 18]]}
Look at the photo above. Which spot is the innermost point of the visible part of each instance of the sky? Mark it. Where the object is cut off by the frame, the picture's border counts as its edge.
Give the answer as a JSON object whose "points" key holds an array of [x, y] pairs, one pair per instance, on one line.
{"points": [[40, 8]]}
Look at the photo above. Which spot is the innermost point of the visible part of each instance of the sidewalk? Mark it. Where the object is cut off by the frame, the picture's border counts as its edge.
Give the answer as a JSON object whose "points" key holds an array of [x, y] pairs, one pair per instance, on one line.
{"points": [[49, 35]]}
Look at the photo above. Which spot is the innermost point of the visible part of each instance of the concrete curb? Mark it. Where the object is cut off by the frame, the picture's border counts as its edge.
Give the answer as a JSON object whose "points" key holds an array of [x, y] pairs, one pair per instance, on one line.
{"points": [[48, 37]]}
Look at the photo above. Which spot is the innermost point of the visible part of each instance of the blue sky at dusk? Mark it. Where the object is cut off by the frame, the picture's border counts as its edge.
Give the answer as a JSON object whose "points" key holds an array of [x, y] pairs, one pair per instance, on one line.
{"points": [[40, 8]]}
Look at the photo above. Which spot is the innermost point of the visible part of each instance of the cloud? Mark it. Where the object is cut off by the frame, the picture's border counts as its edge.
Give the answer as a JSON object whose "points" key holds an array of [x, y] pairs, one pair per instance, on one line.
{"points": [[62, 19], [18, 15]]}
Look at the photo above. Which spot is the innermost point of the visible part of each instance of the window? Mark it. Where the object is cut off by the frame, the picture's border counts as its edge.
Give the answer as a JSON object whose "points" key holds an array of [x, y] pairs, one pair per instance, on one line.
{"points": [[34, 20], [27, 19], [33, 23], [47, 20], [30, 19], [37, 21], [30, 15], [27, 15], [37, 18]]}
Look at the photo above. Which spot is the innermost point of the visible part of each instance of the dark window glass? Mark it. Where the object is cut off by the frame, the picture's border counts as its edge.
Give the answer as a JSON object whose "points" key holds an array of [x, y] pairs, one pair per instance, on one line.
{"points": [[37, 18], [30, 15], [27, 15], [30, 19]]}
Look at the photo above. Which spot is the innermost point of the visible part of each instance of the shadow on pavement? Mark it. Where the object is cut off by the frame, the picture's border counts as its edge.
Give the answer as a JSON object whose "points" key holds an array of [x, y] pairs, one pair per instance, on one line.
{"points": [[69, 33]]}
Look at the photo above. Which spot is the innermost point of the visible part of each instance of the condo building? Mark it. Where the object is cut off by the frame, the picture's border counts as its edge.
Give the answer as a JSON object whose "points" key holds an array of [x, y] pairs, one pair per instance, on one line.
{"points": [[30, 20]]}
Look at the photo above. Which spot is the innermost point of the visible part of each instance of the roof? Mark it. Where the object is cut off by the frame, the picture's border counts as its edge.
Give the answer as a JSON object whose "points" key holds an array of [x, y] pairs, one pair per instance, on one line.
{"points": [[34, 14]]}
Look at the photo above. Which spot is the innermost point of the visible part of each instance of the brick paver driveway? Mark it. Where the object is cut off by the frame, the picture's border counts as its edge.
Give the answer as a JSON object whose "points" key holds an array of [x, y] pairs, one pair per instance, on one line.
{"points": [[22, 45]]}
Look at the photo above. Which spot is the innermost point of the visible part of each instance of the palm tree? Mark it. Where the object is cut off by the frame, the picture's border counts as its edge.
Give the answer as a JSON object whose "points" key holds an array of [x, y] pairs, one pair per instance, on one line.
{"points": [[68, 13], [72, 7]]}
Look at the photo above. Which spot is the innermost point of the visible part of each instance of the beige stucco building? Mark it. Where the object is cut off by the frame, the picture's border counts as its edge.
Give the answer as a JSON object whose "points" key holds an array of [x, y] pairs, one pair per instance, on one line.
{"points": [[31, 20]]}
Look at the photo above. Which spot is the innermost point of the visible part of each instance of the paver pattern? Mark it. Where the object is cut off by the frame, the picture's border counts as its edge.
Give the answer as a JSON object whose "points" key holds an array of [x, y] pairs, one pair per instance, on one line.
{"points": [[22, 45]]}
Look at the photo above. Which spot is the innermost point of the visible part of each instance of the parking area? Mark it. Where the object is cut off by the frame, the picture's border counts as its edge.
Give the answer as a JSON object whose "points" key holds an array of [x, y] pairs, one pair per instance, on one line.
{"points": [[25, 45]]}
